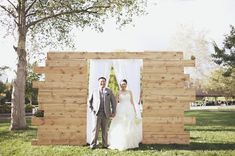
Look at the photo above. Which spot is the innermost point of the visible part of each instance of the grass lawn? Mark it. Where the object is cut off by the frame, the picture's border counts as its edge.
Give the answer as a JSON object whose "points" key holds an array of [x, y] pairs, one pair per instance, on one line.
{"points": [[214, 134]]}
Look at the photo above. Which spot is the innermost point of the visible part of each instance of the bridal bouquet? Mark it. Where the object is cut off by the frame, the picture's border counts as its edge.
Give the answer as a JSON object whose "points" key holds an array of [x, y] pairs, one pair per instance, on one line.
{"points": [[137, 120]]}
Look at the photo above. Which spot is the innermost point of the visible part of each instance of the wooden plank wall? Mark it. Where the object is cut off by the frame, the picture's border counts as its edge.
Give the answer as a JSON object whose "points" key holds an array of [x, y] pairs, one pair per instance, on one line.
{"points": [[63, 97], [165, 98]]}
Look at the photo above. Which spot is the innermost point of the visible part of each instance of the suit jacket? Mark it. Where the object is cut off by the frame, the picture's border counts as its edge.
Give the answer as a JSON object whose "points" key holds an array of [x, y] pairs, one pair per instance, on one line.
{"points": [[109, 102]]}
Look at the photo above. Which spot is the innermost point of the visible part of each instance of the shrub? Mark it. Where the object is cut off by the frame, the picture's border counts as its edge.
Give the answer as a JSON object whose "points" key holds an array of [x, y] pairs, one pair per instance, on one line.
{"points": [[5, 108], [39, 113], [28, 108]]}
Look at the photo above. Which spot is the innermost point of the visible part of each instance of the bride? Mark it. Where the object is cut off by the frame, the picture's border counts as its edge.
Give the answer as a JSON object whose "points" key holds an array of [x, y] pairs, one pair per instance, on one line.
{"points": [[123, 132]]}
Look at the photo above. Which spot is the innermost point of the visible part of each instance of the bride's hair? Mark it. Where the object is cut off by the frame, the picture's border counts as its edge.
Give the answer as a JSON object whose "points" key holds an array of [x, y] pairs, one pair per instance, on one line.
{"points": [[124, 80]]}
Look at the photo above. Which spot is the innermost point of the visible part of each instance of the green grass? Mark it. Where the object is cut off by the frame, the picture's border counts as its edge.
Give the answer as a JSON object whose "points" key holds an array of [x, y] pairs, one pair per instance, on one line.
{"points": [[214, 134]]}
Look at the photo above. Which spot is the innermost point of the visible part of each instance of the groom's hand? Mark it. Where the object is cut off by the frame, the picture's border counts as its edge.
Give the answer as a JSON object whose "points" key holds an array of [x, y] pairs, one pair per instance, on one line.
{"points": [[113, 115]]}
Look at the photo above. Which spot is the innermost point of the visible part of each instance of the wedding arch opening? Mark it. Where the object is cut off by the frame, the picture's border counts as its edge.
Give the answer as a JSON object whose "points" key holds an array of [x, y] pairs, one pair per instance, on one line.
{"points": [[70, 76]]}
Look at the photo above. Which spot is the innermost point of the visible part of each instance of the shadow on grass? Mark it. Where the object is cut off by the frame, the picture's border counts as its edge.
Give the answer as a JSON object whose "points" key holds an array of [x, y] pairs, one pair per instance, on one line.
{"points": [[191, 146]]}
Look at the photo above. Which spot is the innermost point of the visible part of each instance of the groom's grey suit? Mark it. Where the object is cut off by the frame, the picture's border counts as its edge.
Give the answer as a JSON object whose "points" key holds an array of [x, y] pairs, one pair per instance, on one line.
{"points": [[102, 105]]}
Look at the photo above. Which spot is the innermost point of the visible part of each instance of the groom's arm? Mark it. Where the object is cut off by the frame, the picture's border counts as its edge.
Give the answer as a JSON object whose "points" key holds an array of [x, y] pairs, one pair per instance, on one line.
{"points": [[91, 102], [113, 103]]}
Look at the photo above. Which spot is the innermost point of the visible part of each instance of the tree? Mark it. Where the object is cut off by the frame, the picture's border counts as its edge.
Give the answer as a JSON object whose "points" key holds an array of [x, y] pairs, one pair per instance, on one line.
{"points": [[194, 44], [219, 84], [41, 21], [225, 56]]}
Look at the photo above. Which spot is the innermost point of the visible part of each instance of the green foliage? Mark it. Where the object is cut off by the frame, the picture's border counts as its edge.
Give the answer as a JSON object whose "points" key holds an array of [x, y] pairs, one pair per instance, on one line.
{"points": [[213, 135], [5, 92], [225, 56], [113, 85], [51, 23], [39, 113], [30, 92], [5, 108], [28, 108], [219, 84]]}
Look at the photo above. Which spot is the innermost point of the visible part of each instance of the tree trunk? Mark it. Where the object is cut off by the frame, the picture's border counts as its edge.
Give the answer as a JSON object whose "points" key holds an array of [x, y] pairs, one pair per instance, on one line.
{"points": [[18, 94]]}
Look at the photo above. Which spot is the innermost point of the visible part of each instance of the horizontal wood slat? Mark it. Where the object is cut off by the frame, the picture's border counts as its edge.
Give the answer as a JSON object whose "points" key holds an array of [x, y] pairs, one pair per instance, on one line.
{"points": [[66, 77], [163, 70], [162, 98], [189, 120], [170, 91], [79, 141], [67, 63], [59, 121], [54, 85], [115, 55], [168, 63], [165, 77], [60, 70]]}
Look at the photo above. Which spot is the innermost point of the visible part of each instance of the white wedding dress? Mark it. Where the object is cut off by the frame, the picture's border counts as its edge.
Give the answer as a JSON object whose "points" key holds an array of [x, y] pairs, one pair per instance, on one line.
{"points": [[124, 129]]}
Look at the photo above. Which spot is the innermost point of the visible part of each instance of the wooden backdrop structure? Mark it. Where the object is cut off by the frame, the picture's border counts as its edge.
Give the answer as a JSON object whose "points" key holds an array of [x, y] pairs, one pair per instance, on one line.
{"points": [[63, 97]]}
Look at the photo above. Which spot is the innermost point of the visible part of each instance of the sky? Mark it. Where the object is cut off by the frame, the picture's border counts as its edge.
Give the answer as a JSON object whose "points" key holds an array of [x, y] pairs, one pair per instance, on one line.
{"points": [[151, 32]]}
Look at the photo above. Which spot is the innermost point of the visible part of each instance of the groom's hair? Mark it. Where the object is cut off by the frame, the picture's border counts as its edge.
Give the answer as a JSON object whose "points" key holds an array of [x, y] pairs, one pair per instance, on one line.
{"points": [[102, 78]]}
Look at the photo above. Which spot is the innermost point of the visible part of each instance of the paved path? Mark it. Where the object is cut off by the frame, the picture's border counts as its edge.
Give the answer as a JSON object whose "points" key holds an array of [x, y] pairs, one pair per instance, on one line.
{"points": [[212, 107]]}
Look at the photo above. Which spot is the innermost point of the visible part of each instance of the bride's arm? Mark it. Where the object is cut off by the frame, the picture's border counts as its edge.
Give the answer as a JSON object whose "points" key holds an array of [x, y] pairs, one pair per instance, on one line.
{"points": [[117, 97], [132, 101]]}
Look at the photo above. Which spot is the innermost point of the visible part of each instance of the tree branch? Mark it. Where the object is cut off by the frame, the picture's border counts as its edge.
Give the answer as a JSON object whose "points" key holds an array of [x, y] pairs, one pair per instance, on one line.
{"points": [[65, 13], [12, 4], [30, 6], [8, 11], [31, 14]]}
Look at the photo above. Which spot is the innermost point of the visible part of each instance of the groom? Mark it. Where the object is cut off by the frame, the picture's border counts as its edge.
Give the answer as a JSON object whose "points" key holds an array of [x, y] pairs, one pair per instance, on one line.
{"points": [[100, 102]]}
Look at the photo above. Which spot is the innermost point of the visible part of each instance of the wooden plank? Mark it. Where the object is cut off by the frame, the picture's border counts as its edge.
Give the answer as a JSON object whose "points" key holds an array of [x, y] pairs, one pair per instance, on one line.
{"points": [[61, 132], [164, 77], [66, 77], [43, 84], [65, 110], [159, 82], [60, 70], [163, 113], [156, 106], [166, 133], [170, 91], [162, 84], [62, 93], [65, 114], [63, 128], [67, 63], [115, 55], [165, 105], [166, 120], [163, 127], [61, 106], [65, 100], [62, 135], [163, 70], [168, 63], [166, 98], [189, 120], [37, 120], [58, 121], [71, 91], [166, 136]]}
